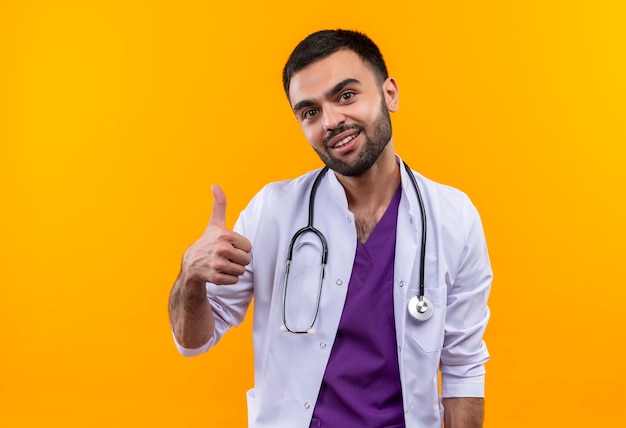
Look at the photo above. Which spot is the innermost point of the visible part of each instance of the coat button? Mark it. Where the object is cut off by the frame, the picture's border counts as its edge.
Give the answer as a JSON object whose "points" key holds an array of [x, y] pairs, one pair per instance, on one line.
{"points": [[322, 345], [339, 282], [401, 283], [307, 405]]}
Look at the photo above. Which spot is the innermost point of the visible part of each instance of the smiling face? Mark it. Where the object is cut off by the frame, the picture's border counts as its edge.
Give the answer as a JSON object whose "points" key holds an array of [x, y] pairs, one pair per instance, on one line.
{"points": [[344, 111]]}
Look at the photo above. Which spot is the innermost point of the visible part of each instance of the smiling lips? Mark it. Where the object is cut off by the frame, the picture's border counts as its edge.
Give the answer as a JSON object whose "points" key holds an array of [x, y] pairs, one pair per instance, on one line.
{"points": [[337, 144]]}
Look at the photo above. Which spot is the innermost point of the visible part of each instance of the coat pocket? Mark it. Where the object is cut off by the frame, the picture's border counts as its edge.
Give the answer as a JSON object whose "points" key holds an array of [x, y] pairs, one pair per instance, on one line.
{"points": [[429, 334]]}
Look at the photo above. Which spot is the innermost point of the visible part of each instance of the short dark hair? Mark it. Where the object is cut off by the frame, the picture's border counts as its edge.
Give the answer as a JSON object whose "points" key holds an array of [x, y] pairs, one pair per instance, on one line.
{"points": [[324, 43]]}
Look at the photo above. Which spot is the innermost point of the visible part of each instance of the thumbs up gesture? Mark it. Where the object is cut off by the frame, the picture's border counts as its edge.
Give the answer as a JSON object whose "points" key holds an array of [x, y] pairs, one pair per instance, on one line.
{"points": [[219, 255]]}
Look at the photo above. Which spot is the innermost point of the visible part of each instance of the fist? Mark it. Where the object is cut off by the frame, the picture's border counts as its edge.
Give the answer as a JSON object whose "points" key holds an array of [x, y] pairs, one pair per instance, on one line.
{"points": [[220, 255]]}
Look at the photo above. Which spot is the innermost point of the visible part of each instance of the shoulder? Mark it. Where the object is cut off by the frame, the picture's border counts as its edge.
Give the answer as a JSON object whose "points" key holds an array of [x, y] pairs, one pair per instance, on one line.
{"points": [[450, 210], [286, 189], [275, 200], [446, 196], [457, 228]]}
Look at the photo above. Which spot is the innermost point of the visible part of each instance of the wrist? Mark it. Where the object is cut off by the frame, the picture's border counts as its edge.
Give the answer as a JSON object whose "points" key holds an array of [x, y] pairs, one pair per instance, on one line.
{"points": [[192, 288]]}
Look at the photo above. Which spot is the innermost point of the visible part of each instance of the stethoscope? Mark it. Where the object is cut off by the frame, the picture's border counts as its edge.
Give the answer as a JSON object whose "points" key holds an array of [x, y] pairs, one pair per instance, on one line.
{"points": [[420, 307]]}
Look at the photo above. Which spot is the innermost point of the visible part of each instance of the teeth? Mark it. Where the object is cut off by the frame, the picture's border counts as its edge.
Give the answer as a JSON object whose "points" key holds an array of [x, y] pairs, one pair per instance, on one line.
{"points": [[345, 140]]}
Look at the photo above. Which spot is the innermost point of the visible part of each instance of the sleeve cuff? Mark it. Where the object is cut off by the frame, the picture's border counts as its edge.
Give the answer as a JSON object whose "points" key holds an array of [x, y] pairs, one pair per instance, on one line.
{"points": [[471, 388], [191, 352]]}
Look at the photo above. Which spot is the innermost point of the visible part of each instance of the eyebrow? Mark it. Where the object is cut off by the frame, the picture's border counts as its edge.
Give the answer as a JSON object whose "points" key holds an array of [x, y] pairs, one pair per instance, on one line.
{"points": [[329, 94]]}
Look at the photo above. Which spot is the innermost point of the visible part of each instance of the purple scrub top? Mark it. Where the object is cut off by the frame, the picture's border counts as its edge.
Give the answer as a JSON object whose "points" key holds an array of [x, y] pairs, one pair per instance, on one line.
{"points": [[361, 385]]}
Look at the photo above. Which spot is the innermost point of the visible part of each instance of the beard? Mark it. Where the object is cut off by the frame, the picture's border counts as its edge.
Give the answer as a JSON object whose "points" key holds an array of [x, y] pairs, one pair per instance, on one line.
{"points": [[373, 147]]}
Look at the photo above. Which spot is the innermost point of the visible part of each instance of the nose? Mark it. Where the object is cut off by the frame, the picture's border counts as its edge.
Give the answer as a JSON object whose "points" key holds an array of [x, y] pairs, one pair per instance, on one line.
{"points": [[333, 117]]}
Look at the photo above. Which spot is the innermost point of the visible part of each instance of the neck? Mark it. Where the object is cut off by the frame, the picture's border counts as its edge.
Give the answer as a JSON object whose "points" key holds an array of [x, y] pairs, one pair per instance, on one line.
{"points": [[369, 194], [375, 187]]}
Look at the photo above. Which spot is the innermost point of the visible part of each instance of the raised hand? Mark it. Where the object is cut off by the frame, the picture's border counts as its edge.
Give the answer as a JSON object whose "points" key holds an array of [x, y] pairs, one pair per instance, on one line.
{"points": [[219, 255]]}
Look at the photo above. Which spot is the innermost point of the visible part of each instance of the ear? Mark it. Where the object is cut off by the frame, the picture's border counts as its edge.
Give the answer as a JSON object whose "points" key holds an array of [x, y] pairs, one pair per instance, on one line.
{"points": [[392, 95]]}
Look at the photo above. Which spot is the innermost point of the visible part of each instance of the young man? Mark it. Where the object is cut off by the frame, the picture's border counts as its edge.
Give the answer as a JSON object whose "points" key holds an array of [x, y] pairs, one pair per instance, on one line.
{"points": [[345, 341]]}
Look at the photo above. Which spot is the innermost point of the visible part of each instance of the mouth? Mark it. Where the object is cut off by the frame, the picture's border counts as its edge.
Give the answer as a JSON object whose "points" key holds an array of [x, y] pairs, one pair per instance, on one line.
{"points": [[342, 140], [345, 140]]}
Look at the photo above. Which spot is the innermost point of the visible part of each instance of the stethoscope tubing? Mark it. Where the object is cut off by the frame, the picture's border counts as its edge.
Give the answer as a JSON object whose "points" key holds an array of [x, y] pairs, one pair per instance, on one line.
{"points": [[423, 217], [308, 228], [420, 307]]}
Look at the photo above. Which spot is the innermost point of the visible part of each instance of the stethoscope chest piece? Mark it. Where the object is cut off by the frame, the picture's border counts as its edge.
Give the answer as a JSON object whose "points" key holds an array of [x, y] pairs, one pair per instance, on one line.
{"points": [[420, 308]]}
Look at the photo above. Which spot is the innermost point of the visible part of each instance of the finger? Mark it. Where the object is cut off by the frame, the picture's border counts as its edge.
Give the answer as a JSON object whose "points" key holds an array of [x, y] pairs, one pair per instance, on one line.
{"points": [[228, 267], [224, 279], [227, 271], [218, 216], [242, 243], [227, 251], [239, 257]]}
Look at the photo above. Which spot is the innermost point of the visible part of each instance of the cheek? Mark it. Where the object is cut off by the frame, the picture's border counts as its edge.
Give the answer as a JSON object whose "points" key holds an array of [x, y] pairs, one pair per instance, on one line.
{"points": [[313, 134], [369, 113]]}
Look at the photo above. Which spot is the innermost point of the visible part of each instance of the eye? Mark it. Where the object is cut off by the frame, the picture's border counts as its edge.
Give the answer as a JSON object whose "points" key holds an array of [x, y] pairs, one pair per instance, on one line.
{"points": [[347, 96], [309, 113]]}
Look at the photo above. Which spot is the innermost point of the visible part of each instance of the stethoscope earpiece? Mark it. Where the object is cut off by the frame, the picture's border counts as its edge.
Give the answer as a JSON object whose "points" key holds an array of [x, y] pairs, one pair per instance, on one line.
{"points": [[420, 308]]}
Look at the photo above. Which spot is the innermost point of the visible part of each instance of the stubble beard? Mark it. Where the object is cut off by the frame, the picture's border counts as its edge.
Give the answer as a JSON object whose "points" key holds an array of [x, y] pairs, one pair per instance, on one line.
{"points": [[373, 147]]}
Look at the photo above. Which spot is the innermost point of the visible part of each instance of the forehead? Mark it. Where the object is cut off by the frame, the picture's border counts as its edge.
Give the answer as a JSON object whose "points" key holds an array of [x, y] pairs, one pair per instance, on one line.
{"points": [[314, 80]]}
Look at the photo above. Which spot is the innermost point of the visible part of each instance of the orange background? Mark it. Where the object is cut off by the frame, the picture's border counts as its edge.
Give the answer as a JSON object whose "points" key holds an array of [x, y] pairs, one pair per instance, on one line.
{"points": [[116, 116]]}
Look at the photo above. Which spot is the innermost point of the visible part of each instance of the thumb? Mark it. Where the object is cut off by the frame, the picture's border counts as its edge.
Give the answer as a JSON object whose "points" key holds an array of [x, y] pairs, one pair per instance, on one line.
{"points": [[218, 216]]}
